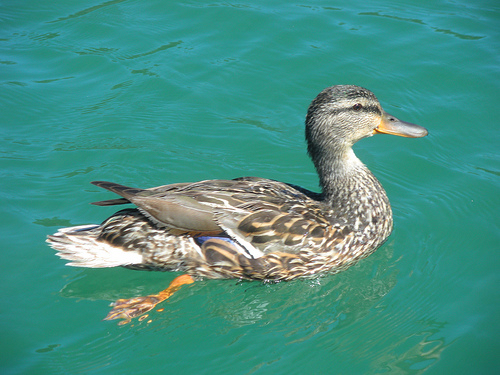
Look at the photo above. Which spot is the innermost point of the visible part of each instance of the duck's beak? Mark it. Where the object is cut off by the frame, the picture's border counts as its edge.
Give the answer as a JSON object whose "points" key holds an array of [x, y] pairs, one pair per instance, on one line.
{"points": [[392, 125]]}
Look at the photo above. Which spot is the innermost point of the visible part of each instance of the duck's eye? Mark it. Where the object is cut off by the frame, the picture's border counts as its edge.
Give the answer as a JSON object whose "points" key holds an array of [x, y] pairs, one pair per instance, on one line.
{"points": [[357, 107]]}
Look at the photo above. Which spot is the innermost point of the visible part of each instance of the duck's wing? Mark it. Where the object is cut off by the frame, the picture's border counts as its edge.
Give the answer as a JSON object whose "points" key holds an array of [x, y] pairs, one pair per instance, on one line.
{"points": [[165, 206], [261, 215], [276, 225]]}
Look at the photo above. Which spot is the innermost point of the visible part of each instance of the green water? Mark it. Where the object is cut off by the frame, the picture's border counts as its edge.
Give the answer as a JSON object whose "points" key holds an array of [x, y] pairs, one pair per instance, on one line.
{"points": [[146, 93]]}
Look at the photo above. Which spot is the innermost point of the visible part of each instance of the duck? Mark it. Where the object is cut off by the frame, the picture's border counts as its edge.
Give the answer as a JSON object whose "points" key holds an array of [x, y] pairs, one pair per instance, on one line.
{"points": [[252, 228]]}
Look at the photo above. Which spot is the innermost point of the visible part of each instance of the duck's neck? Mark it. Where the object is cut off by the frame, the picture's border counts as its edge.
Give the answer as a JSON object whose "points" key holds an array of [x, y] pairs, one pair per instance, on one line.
{"points": [[349, 187]]}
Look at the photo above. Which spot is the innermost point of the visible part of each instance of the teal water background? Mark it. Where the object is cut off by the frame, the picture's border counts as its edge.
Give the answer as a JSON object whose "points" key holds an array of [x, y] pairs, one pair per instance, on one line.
{"points": [[146, 93]]}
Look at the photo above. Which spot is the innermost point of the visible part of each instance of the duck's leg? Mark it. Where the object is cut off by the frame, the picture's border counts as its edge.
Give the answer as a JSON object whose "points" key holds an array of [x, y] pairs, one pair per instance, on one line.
{"points": [[130, 308]]}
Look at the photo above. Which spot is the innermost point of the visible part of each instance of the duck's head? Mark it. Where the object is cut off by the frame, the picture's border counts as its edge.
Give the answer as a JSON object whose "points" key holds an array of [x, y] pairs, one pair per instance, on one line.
{"points": [[342, 115]]}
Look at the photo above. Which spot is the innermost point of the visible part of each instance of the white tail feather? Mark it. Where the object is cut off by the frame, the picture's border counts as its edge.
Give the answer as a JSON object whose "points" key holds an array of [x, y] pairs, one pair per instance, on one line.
{"points": [[80, 246]]}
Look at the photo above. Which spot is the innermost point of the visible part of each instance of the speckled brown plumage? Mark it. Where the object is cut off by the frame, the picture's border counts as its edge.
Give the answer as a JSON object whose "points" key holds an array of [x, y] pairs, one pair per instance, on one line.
{"points": [[254, 228]]}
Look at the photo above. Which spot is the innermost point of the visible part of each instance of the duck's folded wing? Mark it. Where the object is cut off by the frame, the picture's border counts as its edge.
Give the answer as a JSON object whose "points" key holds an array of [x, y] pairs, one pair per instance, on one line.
{"points": [[262, 216], [165, 208], [187, 207], [278, 227]]}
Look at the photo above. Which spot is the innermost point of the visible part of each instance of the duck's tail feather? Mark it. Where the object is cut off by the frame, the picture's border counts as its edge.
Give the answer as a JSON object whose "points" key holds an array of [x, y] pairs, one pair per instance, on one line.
{"points": [[82, 248]]}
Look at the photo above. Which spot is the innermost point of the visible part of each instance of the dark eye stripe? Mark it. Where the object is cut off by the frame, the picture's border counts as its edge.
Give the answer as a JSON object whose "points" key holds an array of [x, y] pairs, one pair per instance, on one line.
{"points": [[369, 109]]}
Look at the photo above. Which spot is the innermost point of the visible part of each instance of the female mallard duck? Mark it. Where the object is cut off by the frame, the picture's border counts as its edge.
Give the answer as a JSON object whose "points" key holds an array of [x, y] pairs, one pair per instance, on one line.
{"points": [[253, 228]]}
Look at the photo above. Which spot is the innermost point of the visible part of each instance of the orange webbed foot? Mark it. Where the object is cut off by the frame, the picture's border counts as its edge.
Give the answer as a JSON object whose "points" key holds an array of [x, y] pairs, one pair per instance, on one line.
{"points": [[127, 309]]}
